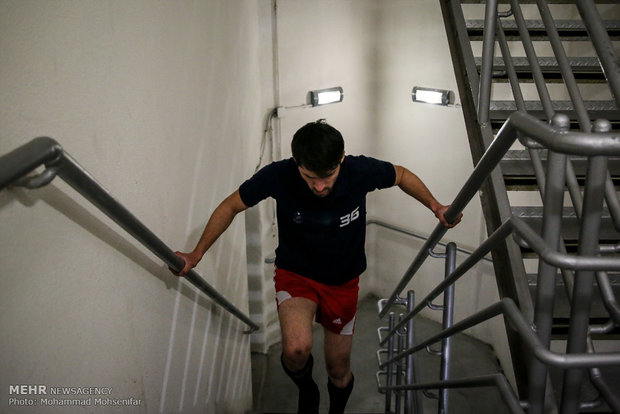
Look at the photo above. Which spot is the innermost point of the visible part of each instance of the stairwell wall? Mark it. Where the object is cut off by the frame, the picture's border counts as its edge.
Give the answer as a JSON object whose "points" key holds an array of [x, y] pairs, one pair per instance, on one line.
{"points": [[163, 103]]}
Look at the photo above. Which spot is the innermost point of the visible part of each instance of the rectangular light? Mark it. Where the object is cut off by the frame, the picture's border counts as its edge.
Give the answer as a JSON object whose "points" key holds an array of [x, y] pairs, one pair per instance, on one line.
{"points": [[432, 96], [326, 96]]}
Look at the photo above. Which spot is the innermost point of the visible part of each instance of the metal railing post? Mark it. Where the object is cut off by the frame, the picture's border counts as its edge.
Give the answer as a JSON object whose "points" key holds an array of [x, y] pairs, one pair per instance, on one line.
{"points": [[390, 368], [545, 291], [400, 345], [413, 403], [448, 316], [532, 58], [594, 193], [602, 44], [486, 72]]}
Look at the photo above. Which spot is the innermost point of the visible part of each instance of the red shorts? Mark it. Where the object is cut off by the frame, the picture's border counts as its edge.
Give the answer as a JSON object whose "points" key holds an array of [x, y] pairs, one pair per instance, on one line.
{"points": [[337, 305]]}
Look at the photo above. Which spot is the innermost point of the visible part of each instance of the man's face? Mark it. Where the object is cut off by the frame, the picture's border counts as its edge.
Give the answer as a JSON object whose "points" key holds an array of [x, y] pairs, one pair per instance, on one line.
{"points": [[320, 186]]}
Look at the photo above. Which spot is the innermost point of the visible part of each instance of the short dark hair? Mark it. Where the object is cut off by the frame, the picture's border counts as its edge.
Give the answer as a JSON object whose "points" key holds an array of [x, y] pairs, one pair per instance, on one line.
{"points": [[318, 147]]}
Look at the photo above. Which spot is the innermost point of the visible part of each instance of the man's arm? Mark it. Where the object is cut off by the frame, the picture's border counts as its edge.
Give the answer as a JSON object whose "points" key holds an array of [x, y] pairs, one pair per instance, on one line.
{"points": [[412, 185], [219, 221]]}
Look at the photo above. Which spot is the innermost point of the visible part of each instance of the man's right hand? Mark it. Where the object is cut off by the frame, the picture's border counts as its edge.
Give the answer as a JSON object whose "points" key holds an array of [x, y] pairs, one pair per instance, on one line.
{"points": [[190, 259]]}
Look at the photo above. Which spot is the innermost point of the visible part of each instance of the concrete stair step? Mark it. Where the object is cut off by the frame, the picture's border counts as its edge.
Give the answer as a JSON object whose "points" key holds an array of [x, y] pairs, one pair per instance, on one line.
{"points": [[585, 69], [534, 1], [570, 224], [501, 110], [562, 305], [518, 171], [573, 30]]}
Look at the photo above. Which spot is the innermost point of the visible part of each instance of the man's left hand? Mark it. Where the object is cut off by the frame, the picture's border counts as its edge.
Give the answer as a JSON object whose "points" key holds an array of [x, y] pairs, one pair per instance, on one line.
{"points": [[439, 213]]}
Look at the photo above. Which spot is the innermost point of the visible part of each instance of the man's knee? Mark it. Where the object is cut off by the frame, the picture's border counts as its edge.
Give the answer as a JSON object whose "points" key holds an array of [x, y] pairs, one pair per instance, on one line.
{"points": [[339, 368], [296, 353]]}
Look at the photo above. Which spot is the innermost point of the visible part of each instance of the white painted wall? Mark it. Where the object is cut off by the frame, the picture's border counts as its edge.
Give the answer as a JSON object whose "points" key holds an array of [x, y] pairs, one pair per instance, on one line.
{"points": [[162, 102]]}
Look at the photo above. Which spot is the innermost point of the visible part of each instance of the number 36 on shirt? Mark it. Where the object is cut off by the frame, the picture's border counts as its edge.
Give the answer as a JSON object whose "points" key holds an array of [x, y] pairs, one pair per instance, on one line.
{"points": [[348, 218]]}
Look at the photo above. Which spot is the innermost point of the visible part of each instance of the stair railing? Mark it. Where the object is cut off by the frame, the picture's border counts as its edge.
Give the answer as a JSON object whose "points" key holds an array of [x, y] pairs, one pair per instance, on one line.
{"points": [[477, 90], [415, 234], [17, 164], [596, 146], [545, 291], [602, 44]]}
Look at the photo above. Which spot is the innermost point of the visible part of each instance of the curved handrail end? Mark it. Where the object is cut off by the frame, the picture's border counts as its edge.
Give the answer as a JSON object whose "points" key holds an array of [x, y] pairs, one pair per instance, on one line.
{"points": [[26, 158]]}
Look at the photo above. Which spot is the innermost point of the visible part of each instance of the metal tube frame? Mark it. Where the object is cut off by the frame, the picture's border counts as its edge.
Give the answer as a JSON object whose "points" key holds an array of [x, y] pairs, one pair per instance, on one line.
{"points": [[602, 44], [550, 248], [448, 319], [509, 310], [390, 369], [560, 143], [415, 234], [400, 346], [545, 290], [486, 72], [413, 402], [570, 143], [562, 122], [594, 194]]}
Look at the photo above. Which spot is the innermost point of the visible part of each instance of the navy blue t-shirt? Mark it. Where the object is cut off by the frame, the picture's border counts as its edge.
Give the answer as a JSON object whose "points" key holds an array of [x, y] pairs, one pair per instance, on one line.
{"points": [[321, 238]]}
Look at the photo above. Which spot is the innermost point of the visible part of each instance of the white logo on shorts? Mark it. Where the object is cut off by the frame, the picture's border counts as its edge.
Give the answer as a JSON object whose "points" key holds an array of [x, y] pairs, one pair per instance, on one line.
{"points": [[337, 321], [281, 296]]}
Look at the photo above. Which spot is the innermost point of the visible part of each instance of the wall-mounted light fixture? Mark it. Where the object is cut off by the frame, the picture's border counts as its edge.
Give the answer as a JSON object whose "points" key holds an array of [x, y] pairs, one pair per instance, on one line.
{"points": [[326, 96], [432, 96]]}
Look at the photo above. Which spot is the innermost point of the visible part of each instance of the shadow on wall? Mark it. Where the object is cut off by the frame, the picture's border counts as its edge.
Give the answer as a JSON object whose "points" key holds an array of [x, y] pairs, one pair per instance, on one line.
{"points": [[200, 353], [206, 382], [68, 207]]}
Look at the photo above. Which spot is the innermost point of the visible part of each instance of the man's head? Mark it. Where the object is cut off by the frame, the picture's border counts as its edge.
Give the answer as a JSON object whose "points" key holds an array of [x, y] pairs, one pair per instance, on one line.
{"points": [[318, 150]]}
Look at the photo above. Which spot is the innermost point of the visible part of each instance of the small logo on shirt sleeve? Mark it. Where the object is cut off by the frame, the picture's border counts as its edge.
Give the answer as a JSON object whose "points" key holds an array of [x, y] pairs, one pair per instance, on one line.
{"points": [[298, 218]]}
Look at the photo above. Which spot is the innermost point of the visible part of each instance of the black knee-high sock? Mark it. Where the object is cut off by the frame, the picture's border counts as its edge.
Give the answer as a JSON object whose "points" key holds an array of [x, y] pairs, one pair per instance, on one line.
{"points": [[338, 397], [308, 402]]}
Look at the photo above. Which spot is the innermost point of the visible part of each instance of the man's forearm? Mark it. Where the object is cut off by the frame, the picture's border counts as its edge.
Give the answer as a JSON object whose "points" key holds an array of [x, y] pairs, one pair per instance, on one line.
{"points": [[219, 221], [413, 186]]}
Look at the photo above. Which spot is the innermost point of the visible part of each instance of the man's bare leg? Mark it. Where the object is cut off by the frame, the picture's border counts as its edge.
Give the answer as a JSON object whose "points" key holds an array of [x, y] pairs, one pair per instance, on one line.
{"points": [[338, 362], [296, 316]]}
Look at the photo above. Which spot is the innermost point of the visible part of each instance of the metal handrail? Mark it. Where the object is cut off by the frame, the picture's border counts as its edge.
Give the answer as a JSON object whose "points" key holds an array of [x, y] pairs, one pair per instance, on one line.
{"points": [[488, 48], [491, 380], [17, 164], [551, 251], [509, 309], [602, 44], [548, 136], [571, 179], [517, 226], [559, 168], [416, 234], [518, 123]]}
